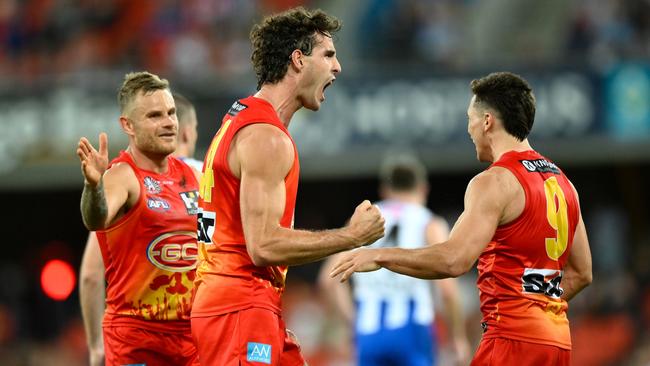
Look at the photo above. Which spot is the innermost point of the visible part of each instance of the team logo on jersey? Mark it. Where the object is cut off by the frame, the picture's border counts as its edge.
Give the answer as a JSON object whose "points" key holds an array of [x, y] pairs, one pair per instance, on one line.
{"points": [[542, 281], [191, 201], [236, 108], [541, 166], [152, 185], [176, 251], [205, 229], [258, 352]]}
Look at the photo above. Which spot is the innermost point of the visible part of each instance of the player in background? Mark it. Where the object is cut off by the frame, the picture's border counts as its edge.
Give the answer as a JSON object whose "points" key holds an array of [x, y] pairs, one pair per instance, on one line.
{"points": [[521, 221], [393, 315], [187, 132], [248, 195], [143, 208]]}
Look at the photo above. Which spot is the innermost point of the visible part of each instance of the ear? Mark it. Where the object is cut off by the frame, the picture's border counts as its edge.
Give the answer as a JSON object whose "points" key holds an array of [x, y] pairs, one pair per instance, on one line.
{"points": [[182, 134], [297, 60], [127, 125], [488, 121]]}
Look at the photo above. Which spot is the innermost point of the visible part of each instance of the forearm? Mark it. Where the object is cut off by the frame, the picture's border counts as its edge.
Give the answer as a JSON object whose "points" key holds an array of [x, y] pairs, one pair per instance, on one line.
{"points": [[92, 298], [94, 208], [293, 247], [426, 263], [573, 283]]}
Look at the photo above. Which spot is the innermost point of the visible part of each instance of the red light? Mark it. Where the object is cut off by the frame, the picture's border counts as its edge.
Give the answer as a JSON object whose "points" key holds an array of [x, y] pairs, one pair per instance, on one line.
{"points": [[58, 279]]}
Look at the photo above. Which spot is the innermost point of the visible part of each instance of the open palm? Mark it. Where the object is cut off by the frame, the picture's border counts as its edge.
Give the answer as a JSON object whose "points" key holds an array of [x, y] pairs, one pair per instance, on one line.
{"points": [[93, 163]]}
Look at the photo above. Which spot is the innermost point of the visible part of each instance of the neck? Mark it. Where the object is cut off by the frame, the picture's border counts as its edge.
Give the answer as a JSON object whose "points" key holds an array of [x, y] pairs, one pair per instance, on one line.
{"points": [[154, 163], [282, 96], [508, 143]]}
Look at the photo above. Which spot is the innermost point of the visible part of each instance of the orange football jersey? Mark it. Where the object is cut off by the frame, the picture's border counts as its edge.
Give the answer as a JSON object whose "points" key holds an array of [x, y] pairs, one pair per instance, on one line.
{"points": [[150, 254], [227, 280], [521, 268]]}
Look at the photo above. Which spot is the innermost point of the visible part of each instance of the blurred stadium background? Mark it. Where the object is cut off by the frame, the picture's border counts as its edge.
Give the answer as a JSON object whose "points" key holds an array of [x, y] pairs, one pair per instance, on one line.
{"points": [[404, 86]]}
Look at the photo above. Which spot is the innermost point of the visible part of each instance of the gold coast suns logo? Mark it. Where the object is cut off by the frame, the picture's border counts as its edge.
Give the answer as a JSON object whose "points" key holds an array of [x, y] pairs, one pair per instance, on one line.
{"points": [[176, 251]]}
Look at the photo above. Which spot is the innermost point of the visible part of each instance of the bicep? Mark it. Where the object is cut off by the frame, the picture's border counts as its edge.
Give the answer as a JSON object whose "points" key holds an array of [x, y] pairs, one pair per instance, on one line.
{"points": [[265, 158], [485, 201], [120, 184]]}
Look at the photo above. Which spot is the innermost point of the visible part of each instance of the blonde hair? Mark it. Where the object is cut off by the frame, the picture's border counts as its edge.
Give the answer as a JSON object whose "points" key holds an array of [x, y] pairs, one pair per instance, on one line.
{"points": [[134, 82]]}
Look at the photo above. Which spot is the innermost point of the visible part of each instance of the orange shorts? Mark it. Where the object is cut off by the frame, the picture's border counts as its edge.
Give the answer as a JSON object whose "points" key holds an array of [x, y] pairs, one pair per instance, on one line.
{"points": [[253, 336], [509, 352], [137, 346]]}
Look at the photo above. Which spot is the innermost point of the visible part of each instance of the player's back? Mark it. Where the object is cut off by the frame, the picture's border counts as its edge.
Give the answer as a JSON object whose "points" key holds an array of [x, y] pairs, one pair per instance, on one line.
{"points": [[395, 312], [227, 280], [521, 268]]}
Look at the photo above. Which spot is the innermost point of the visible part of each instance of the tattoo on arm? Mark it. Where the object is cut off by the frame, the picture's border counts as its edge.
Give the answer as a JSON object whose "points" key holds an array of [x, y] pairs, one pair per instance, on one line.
{"points": [[94, 207]]}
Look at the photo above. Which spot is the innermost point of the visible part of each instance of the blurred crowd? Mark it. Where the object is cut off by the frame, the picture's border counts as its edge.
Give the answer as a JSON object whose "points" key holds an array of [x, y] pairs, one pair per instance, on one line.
{"points": [[209, 39]]}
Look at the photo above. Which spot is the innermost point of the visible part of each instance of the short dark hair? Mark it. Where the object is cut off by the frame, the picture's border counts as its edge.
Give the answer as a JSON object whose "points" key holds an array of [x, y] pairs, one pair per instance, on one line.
{"points": [[134, 82], [277, 36], [402, 173], [511, 97], [183, 107]]}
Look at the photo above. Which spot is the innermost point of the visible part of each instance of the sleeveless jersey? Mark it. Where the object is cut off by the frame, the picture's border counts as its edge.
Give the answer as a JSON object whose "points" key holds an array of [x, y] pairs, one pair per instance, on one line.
{"points": [[150, 254], [227, 280], [521, 268]]}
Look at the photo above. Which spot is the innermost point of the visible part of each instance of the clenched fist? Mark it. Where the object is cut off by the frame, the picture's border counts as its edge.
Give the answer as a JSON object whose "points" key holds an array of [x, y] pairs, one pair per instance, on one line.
{"points": [[366, 224]]}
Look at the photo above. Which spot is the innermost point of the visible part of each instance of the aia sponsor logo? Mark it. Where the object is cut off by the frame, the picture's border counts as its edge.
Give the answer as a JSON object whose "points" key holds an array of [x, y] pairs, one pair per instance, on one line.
{"points": [[158, 204], [176, 251], [152, 185]]}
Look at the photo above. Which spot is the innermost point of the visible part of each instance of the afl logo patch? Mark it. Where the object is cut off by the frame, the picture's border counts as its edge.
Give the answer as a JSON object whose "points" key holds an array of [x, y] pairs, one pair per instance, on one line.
{"points": [[157, 204], [176, 251], [152, 185]]}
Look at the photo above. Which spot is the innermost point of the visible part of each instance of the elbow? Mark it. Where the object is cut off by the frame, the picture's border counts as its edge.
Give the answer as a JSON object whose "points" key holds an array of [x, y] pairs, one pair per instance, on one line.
{"points": [[586, 278], [260, 255], [91, 280], [457, 266]]}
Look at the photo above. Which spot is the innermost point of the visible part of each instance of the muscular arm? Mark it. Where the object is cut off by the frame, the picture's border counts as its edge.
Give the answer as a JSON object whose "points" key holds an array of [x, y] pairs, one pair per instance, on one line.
{"points": [[265, 155], [92, 298], [486, 199], [577, 271], [484, 204]]}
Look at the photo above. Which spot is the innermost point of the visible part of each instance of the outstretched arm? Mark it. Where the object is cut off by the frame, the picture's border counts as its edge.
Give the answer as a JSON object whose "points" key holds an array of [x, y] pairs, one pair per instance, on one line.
{"points": [[92, 297], [265, 155], [485, 200]]}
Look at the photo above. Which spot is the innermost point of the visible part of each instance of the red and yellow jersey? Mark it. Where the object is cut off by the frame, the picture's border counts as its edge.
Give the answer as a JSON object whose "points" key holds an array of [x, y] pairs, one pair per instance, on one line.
{"points": [[150, 254], [521, 268], [226, 278]]}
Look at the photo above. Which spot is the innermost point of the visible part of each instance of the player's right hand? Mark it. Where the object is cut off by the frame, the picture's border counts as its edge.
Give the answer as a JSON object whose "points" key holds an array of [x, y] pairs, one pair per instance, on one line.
{"points": [[93, 163], [367, 223]]}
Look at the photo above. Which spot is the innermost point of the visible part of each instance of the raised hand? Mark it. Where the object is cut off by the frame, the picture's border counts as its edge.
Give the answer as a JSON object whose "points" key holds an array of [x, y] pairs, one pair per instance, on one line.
{"points": [[93, 163], [367, 223]]}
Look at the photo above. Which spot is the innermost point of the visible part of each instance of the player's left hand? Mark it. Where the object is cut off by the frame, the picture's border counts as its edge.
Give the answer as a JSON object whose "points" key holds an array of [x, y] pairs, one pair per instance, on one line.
{"points": [[359, 260]]}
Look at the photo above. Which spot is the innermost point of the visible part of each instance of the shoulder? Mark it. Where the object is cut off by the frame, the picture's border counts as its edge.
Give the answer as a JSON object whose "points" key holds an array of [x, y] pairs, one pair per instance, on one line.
{"points": [[121, 171], [495, 180], [264, 147]]}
